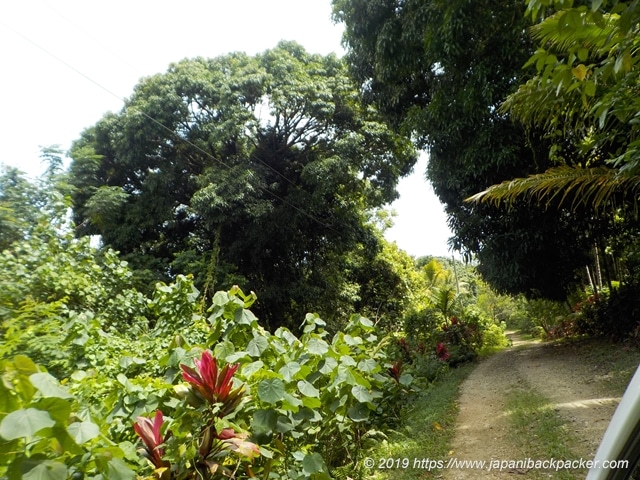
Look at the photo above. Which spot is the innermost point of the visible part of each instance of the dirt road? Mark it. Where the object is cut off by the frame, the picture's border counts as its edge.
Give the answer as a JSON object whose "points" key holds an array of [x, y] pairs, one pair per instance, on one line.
{"points": [[569, 375]]}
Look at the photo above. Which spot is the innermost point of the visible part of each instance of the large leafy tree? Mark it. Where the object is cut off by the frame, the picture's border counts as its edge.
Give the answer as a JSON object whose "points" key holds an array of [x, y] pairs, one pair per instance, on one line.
{"points": [[584, 98], [439, 70], [253, 169]]}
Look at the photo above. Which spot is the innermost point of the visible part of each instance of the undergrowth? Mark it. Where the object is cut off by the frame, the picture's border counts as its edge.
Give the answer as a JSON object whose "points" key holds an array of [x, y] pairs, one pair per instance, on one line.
{"points": [[426, 431]]}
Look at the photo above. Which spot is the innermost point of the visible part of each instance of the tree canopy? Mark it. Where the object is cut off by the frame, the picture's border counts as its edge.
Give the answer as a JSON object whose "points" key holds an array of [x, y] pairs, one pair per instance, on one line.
{"points": [[583, 98], [258, 170], [440, 71]]}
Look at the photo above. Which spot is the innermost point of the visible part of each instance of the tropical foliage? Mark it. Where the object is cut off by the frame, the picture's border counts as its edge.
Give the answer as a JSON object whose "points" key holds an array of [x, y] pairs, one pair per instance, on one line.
{"points": [[261, 171], [440, 70], [583, 98], [102, 380]]}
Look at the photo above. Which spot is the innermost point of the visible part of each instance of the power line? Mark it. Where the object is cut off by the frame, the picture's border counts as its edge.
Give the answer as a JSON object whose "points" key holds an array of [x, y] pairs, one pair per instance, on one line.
{"points": [[188, 142]]}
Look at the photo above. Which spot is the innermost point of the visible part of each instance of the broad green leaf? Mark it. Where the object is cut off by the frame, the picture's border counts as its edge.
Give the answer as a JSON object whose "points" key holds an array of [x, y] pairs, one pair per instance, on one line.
{"points": [[83, 431], [289, 402], [313, 320], [81, 339], [224, 349], [289, 371], [287, 336], [348, 361], [366, 323], [307, 414], [78, 375], [352, 341], [47, 470], [242, 316], [126, 361], [590, 88], [264, 421], [257, 345], [360, 379], [271, 390], [118, 470], [220, 299], [579, 71], [406, 379], [265, 452], [311, 402], [358, 412], [583, 54], [361, 394], [25, 365], [328, 365], [24, 423], [284, 424], [251, 368], [345, 375], [8, 401], [317, 346], [313, 463], [48, 386], [176, 357], [66, 441], [235, 357], [58, 408], [307, 389], [368, 365]]}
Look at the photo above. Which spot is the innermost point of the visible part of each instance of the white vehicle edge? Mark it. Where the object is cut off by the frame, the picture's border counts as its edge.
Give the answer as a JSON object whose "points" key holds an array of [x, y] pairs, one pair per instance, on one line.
{"points": [[621, 440]]}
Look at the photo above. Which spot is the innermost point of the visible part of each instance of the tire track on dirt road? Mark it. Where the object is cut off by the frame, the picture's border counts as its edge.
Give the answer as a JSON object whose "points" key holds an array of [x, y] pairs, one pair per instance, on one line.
{"points": [[563, 373]]}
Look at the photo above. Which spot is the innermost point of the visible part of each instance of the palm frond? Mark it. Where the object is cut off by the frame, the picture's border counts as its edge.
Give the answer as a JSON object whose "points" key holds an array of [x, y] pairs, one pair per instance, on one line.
{"points": [[565, 186], [591, 34]]}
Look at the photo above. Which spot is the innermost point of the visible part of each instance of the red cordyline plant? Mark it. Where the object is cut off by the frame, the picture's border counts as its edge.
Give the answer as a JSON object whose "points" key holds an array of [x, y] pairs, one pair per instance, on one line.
{"points": [[215, 445], [150, 433], [213, 384], [442, 352], [396, 370]]}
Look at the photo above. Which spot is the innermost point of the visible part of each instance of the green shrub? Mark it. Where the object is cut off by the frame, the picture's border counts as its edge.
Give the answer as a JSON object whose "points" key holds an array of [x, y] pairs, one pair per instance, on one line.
{"points": [[614, 314]]}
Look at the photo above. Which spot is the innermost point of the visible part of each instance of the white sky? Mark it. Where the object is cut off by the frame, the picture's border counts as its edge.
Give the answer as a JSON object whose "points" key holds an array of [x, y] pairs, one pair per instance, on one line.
{"points": [[108, 46]]}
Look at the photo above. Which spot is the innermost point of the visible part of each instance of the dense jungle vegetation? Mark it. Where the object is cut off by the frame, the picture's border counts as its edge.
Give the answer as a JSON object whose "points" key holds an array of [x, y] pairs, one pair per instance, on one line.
{"points": [[133, 344]]}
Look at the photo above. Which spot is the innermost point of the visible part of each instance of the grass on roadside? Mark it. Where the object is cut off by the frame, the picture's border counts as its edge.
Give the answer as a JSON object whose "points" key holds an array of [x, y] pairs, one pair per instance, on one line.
{"points": [[426, 431], [540, 432]]}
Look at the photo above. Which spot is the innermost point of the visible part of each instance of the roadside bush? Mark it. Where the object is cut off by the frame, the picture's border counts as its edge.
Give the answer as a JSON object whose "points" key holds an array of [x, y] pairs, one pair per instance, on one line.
{"points": [[614, 314], [309, 404], [48, 433], [420, 324], [551, 319], [431, 345], [493, 335]]}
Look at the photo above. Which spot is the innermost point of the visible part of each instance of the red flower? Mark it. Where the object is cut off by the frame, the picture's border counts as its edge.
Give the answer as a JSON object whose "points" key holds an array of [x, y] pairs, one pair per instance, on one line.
{"points": [[149, 432], [214, 386], [441, 352], [396, 370]]}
